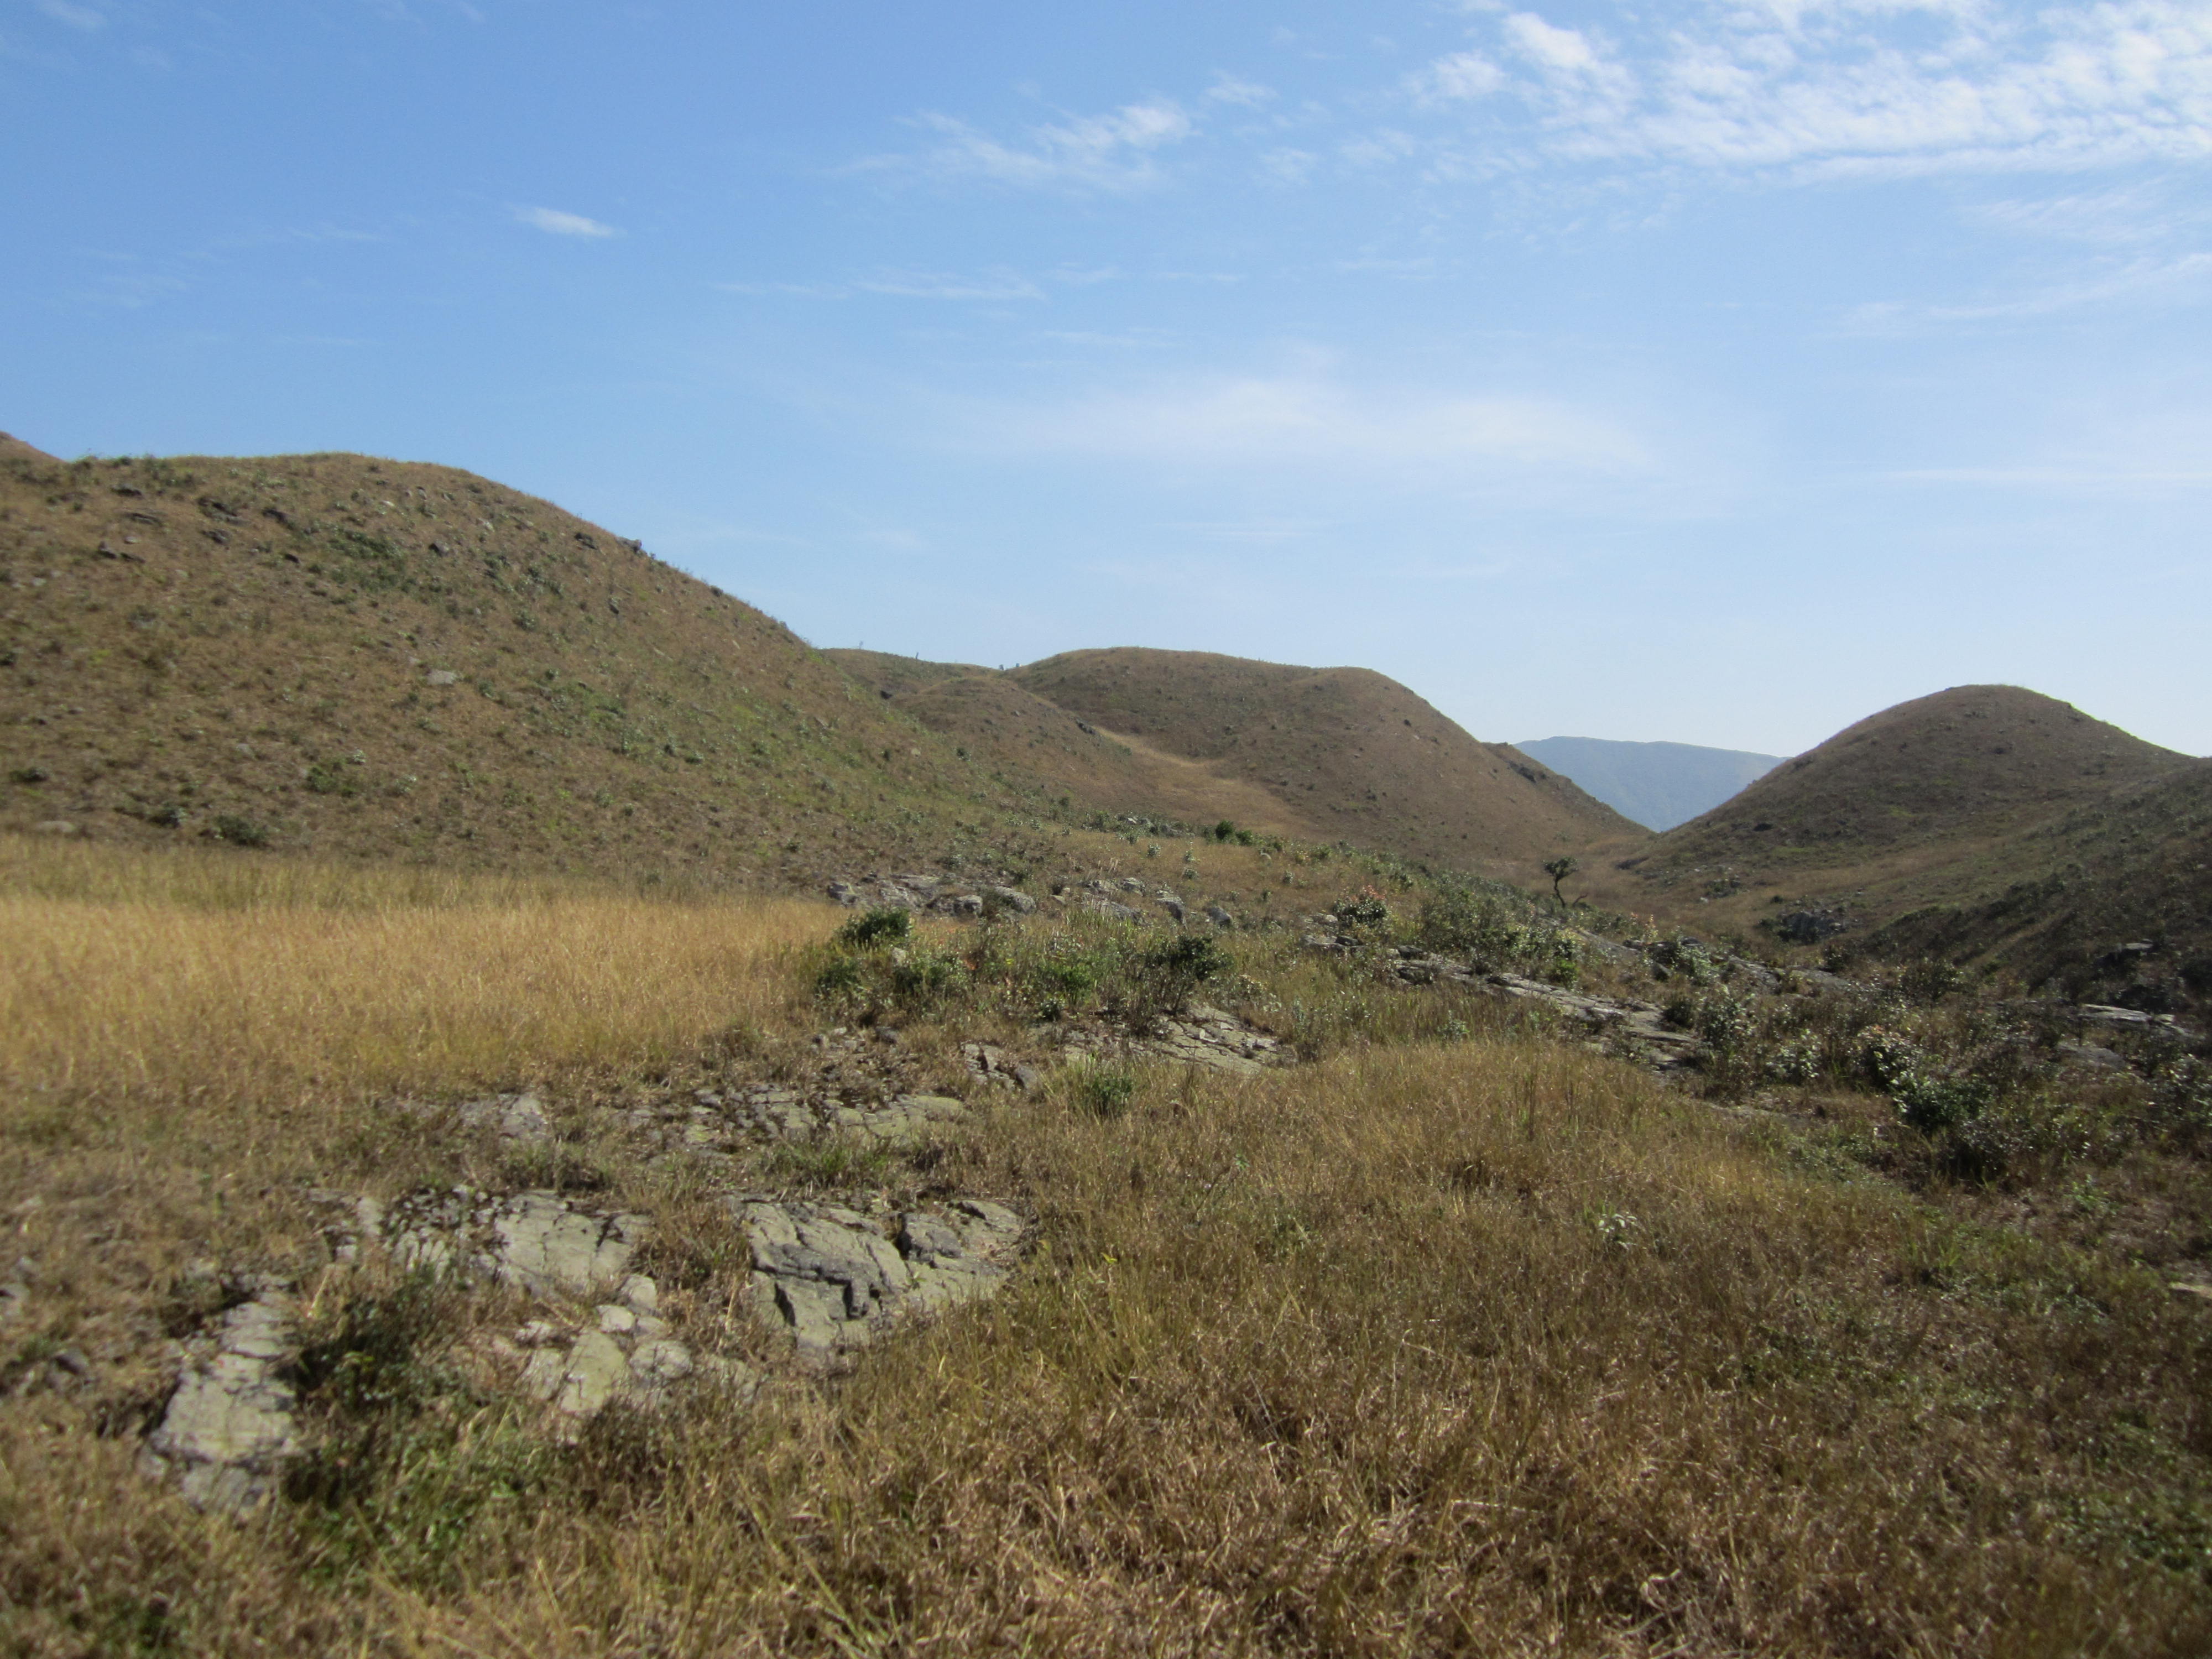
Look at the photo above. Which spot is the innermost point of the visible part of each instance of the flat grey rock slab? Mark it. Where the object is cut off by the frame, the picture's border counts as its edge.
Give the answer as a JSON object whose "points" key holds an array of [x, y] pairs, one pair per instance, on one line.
{"points": [[716, 1123], [230, 1427], [538, 1240], [518, 1117], [833, 1278]]}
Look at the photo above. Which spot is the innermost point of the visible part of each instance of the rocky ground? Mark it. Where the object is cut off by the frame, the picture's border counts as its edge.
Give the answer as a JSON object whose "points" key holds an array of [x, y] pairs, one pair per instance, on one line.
{"points": [[822, 1278]]}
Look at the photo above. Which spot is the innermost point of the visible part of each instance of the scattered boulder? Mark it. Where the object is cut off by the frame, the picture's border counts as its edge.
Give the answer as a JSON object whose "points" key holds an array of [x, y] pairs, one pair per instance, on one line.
{"points": [[833, 1278], [535, 1239], [1634, 1030], [1198, 1035], [1810, 927], [515, 1117], [2088, 1057], [715, 1124], [997, 1067]]}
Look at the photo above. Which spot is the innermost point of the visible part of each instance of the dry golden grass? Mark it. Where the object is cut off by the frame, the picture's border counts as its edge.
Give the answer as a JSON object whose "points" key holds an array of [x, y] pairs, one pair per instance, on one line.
{"points": [[1483, 1347], [156, 1001]]}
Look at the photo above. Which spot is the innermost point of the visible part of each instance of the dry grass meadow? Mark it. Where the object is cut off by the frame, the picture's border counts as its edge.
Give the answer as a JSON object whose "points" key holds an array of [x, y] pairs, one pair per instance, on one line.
{"points": [[1464, 1344]]}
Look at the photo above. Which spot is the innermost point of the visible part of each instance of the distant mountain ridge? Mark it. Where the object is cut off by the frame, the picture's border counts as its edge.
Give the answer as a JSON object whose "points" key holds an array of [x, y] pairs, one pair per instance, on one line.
{"points": [[1658, 785]]}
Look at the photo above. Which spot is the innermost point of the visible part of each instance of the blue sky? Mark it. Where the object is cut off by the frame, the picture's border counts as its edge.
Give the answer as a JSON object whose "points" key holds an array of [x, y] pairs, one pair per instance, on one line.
{"points": [[1713, 372]]}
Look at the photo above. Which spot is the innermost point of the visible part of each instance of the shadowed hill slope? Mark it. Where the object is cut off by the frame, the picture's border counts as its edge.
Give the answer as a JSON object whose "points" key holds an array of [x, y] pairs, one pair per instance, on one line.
{"points": [[2088, 888], [380, 658], [1984, 822], [1348, 751], [1017, 732], [1657, 785]]}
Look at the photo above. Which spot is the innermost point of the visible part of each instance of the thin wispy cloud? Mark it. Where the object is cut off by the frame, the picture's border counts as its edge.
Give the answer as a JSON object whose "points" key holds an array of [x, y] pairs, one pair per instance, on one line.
{"points": [[2184, 278], [1117, 151], [556, 223], [1236, 90], [995, 285], [2135, 214], [1310, 420], [77, 17], [998, 285], [1457, 75], [1859, 86]]}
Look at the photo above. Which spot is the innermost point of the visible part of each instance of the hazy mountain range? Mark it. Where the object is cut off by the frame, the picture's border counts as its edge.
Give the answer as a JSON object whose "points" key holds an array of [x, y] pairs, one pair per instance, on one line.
{"points": [[1659, 785]]}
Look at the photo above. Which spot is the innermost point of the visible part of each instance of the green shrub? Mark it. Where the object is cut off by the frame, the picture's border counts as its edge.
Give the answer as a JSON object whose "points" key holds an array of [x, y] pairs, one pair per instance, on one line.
{"points": [[1929, 980], [927, 975], [1105, 1091], [840, 977], [1368, 910], [1161, 979], [238, 831], [885, 925]]}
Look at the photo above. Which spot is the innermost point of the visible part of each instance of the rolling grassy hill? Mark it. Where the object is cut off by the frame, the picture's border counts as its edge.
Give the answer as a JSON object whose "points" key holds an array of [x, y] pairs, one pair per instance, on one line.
{"points": [[1019, 733], [2008, 827], [1353, 754], [1657, 785], [373, 658], [376, 659], [1972, 761]]}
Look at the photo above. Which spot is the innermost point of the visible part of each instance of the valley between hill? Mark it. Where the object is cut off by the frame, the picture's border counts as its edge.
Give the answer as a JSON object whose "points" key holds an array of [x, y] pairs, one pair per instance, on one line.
{"points": [[541, 1115]]}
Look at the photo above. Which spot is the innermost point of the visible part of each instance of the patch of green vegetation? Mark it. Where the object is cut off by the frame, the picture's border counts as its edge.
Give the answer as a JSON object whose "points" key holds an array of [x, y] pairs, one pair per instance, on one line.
{"points": [[407, 1462]]}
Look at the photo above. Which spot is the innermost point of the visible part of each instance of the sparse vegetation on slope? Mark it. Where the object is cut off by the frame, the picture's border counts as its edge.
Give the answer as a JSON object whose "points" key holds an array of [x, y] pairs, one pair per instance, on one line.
{"points": [[1974, 761], [1019, 734], [1354, 756], [2110, 902], [385, 659], [2016, 832]]}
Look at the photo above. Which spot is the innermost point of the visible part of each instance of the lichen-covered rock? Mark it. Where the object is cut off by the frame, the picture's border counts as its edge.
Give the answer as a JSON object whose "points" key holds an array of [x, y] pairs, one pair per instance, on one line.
{"points": [[833, 1278], [230, 1425], [535, 1239]]}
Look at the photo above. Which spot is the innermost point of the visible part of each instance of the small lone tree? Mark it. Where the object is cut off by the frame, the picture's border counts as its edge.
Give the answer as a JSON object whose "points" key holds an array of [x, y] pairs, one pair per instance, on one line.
{"points": [[1558, 870]]}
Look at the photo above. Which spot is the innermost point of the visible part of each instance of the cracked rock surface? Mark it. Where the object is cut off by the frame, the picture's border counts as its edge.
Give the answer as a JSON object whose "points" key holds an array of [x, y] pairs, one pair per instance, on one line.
{"points": [[716, 1123], [1198, 1035], [229, 1428], [534, 1239], [835, 1278]]}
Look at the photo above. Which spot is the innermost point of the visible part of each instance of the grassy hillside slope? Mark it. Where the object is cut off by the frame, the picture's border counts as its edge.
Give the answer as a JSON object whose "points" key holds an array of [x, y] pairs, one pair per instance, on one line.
{"points": [[1971, 761], [1349, 750], [1014, 729], [2132, 868], [372, 658], [1657, 785], [14, 449], [2015, 828], [1448, 1338]]}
